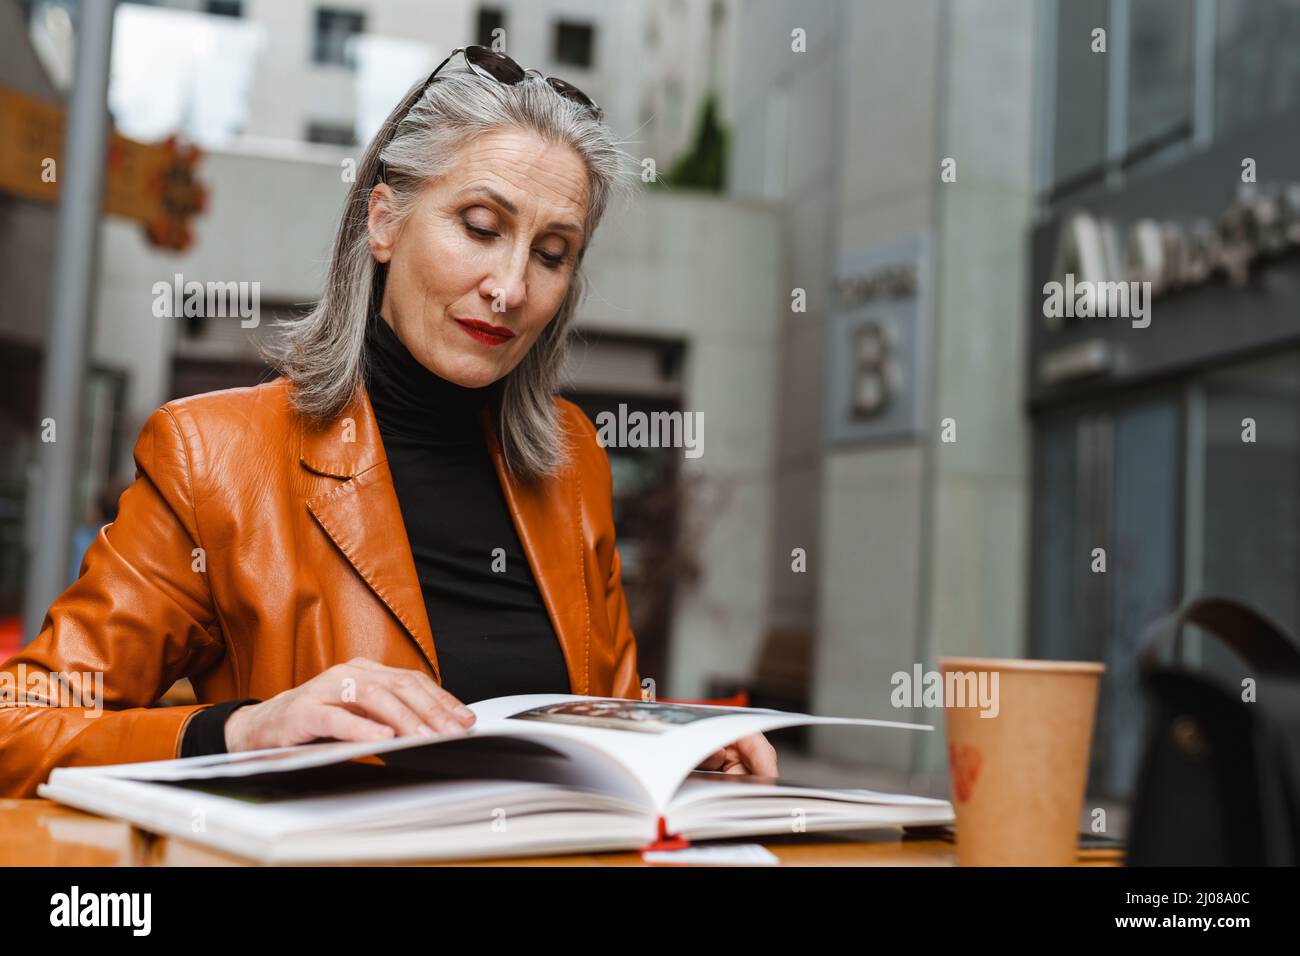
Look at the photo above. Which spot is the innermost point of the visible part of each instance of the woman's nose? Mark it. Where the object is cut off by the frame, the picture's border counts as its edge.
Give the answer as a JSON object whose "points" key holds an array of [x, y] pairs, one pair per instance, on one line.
{"points": [[508, 283]]}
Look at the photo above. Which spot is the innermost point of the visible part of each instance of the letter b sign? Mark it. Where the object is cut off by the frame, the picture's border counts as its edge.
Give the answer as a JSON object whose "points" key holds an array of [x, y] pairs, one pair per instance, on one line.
{"points": [[875, 371]]}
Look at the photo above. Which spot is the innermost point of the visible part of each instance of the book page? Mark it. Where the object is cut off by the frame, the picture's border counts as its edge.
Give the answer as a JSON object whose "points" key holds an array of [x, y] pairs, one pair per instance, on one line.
{"points": [[657, 743], [638, 750]]}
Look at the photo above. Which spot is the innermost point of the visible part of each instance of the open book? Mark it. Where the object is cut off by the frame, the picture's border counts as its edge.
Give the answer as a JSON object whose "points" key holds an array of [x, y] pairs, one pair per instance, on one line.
{"points": [[535, 774]]}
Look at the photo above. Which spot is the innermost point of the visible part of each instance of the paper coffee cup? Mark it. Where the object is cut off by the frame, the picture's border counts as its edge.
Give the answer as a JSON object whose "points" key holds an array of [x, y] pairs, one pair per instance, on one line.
{"points": [[1019, 735]]}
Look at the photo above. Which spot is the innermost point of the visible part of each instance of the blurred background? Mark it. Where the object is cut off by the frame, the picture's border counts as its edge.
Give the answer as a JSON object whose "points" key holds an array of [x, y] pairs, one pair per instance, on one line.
{"points": [[840, 264]]}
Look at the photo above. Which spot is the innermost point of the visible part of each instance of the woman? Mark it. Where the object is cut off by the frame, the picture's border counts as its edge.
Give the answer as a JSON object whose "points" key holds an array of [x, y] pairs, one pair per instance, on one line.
{"points": [[294, 548]]}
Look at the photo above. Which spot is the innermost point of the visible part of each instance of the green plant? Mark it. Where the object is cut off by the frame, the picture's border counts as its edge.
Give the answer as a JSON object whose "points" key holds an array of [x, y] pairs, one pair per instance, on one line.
{"points": [[704, 165]]}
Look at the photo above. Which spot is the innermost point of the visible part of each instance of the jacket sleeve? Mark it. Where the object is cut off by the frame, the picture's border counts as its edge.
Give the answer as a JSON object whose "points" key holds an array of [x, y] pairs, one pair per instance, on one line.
{"points": [[139, 618]]}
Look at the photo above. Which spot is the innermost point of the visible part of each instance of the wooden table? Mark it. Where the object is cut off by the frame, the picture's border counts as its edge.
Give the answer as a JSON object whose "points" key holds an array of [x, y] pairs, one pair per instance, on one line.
{"points": [[42, 833]]}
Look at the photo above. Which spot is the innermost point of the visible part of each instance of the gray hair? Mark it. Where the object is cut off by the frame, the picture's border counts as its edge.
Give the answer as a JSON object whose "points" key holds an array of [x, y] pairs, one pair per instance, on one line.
{"points": [[323, 353]]}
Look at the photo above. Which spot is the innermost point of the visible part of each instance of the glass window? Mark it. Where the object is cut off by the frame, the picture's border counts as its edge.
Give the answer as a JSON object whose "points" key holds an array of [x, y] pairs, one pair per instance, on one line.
{"points": [[1143, 574], [333, 134], [1250, 547], [1202, 504], [574, 43], [333, 30], [1256, 61], [1159, 75], [1109, 479], [1054, 534], [489, 19], [1079, 146]]}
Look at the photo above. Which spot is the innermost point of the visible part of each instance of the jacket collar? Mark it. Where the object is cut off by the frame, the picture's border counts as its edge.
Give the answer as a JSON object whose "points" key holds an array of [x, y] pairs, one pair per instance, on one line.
{"points": [[345, 446], [364, 520]]}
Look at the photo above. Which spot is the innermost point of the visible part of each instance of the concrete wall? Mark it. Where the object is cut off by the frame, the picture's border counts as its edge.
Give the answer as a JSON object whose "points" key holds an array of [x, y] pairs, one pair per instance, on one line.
{"points": [[707, 271], [915, 547], [784, 150], [873, 496], [978, 586]]}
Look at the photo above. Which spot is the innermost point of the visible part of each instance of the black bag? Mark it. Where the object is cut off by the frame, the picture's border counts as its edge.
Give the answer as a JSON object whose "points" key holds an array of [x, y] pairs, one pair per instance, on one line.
{"points": [[1219, 783]]}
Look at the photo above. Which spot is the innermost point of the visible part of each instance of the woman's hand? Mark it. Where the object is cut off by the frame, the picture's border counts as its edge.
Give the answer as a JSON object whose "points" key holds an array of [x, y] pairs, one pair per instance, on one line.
{"points": [[752, 754], [357, 700]]}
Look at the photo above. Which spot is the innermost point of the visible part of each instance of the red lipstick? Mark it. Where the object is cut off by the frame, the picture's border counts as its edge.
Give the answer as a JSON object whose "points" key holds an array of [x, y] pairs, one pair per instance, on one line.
{"points": [[485, 332]]}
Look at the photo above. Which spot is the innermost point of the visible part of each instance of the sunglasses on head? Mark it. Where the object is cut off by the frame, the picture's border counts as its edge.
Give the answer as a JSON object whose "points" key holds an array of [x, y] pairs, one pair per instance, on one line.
{"points": [[499, 67]]}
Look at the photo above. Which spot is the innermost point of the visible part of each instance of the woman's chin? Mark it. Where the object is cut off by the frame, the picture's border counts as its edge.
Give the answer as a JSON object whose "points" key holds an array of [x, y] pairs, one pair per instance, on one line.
{"points": [[471, 373]]}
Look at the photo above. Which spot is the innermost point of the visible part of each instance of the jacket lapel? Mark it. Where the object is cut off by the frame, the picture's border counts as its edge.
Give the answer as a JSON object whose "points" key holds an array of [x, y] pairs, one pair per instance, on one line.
{"points": [[362, 515], [364, 520], [548, 518]]}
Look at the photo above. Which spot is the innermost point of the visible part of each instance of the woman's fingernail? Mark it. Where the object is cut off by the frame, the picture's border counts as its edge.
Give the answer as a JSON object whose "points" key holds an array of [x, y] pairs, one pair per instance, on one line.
{"points": [[424, 731], [465, 713]]}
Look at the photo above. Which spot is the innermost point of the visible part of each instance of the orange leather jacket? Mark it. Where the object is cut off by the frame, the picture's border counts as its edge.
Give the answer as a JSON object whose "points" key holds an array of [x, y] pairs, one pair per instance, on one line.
{"points": [[254, 550]]}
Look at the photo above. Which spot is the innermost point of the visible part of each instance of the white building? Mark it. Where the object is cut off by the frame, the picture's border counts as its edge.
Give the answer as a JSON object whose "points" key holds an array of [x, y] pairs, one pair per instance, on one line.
{"points": [[915, 546]]}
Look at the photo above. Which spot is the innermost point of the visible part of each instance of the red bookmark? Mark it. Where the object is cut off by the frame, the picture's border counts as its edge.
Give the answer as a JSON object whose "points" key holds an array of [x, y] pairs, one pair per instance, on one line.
{"points": [[666, 840]]}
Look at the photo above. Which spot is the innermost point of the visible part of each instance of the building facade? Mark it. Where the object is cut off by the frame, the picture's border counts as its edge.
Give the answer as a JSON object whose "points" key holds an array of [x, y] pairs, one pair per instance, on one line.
{"points": [[1166, 445], [948, 455], [915, 543]]}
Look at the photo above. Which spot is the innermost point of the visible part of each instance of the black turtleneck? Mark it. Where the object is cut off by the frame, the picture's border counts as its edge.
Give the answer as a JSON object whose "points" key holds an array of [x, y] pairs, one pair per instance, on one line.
{"points": [[490, 627]]}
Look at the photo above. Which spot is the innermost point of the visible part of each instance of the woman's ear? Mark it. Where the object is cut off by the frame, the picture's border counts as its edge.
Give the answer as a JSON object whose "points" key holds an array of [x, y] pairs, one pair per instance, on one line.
{"points": [[379, 222]]}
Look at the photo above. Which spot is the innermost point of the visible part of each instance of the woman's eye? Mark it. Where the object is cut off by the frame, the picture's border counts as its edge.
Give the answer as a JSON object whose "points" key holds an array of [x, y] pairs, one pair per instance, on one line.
{"points": [[552, 260]]}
